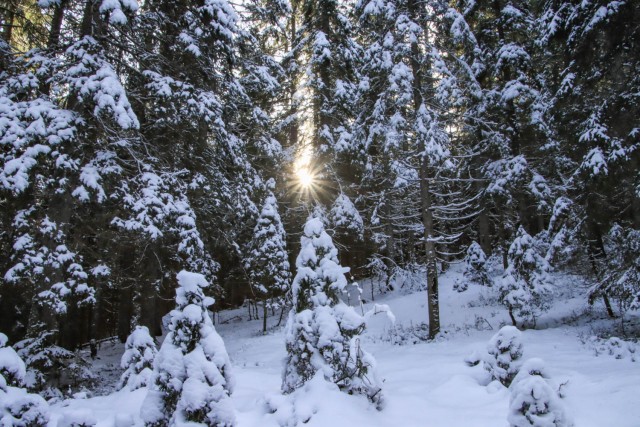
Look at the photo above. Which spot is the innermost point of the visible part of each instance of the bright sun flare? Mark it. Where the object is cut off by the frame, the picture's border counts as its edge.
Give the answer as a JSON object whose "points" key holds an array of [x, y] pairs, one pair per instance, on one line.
{"points": [[306, 177]]}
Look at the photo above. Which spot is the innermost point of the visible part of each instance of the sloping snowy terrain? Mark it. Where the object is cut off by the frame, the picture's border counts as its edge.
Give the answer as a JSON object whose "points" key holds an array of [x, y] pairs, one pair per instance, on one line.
{"points": [[426, 384]]}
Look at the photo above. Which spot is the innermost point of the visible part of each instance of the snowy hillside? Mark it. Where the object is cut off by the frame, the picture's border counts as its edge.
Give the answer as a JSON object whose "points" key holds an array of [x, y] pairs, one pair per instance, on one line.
{"points": [[425, 383]]}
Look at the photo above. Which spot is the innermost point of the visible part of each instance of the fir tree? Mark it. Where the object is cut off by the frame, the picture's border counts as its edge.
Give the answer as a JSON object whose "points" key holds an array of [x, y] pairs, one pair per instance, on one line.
{"points": [[267, 261], [504, 355], [345, 218], [322, 333], [475, 271], [533, 402], [596, 111], [18, 408], [399, 133], [137, 360], [621, 278], [47, 362], [525, 287], [192, 378]]}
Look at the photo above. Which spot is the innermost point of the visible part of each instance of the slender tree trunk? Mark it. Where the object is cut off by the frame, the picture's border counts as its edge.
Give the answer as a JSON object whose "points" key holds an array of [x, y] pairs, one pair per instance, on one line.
{"points": [[264, 316], [504, 241], [56, 24], [597, 252], [8, 26], [425, 194], [391, 245], [432, 271], [293, 104], [150, 312], [484, 227], [513, 319]]}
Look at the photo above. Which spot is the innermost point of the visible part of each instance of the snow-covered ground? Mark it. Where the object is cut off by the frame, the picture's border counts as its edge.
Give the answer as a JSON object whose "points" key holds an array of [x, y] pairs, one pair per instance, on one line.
{"points": [[426, 383]]}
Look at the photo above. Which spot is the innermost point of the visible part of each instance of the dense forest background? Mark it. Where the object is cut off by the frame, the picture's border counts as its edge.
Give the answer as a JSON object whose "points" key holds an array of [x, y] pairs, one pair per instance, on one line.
{"points": [[142, 139]]}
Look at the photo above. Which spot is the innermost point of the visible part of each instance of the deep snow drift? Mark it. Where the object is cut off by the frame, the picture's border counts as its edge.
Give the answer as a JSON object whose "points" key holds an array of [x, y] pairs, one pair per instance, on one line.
{"points": [[426, 384]]}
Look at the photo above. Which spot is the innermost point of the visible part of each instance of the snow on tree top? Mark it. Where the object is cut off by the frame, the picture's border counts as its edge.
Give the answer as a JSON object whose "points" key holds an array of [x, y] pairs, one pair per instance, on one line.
{"points": [[191, 282], [313, 227], [531, 367], [505, 338]]}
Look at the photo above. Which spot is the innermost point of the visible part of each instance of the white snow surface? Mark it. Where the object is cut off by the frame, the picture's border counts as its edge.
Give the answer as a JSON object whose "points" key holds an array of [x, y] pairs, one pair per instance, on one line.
{"points": [[426, 384]]}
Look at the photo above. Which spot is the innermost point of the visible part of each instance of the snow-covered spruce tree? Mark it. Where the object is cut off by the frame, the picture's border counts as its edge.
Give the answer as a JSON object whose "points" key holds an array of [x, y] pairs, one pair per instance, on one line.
{"points": [[345, 218], [67, 128], [267, 260], [18, 407], [525, 286], [596, 110], [325, 36], [347, 230], [47, 363], [506, 116], [621, 276], [322, 332], [192, 379], [137, 360], [475, 267], [504, 354], [202, 77], [406, 95], [533, 401]]}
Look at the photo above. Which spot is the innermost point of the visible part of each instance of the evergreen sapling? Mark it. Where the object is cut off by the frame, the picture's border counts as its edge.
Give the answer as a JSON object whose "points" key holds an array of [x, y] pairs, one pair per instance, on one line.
{"points": [[192, 378], [137, 360], [322, 332], [267, 263], [504, 350], [525, 287], [533, 402]]}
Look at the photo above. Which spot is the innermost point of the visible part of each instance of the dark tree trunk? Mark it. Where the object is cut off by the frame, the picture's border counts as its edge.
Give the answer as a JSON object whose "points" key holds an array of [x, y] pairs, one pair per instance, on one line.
{"points": [[425, 194], [265, 313]]}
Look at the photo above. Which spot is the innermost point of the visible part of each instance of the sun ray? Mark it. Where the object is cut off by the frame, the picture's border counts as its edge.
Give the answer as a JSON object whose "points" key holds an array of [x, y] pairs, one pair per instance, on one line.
{"points": [[306, 177]]}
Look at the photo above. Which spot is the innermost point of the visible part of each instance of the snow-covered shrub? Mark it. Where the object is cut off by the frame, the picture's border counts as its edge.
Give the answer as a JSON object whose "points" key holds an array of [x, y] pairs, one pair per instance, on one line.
{"points": [[504, 350], [475, 271], [399, 334], [50, 366], [460, 285], [409, 277], [297, 409], [525, 286], [322, 333], [18, 407], [137, 360], [533, 402], [192, 371], [617, 347], [613, 346]]}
